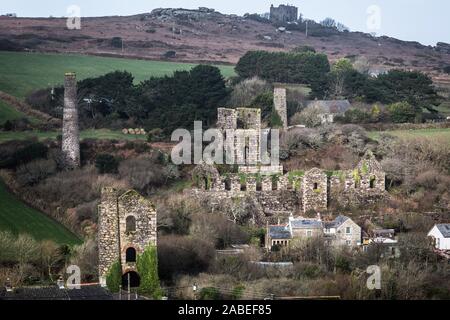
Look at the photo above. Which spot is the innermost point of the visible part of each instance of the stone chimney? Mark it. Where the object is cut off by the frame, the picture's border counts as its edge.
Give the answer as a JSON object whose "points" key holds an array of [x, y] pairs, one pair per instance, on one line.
{"points": [[70, 134], [279, 101]]}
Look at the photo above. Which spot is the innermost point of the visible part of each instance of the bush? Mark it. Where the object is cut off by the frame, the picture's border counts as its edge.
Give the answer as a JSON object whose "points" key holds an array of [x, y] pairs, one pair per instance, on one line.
{"points": [[209, 294], [275, 119], [147, 266], [245, 92], [143, 173], [183, 255], [217, 230], [106, 163], [34, 172], [114, 277], [402, 112], [16, 153], [446, 69], [116, 42], [170, 54], [309, 117]]}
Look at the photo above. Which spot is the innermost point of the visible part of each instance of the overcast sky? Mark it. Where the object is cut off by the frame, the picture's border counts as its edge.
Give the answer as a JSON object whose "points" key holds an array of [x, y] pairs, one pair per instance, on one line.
{"points": [[425, 21]]}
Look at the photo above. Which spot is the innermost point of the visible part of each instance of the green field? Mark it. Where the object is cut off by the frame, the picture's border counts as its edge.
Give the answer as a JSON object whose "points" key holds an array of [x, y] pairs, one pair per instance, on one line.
{"points": [[16, 217], [9, 113], [22, 73], [86, 134], [434, 134]]}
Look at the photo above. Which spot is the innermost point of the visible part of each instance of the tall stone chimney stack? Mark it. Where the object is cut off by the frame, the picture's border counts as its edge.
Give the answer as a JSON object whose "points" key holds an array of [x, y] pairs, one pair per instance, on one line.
{"points": [[70, 134], [280, 103]]}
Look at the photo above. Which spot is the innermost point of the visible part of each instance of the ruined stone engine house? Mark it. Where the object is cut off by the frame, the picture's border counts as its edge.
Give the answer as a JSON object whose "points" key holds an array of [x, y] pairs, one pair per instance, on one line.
{"points": [[281, 194], [127, 225]]}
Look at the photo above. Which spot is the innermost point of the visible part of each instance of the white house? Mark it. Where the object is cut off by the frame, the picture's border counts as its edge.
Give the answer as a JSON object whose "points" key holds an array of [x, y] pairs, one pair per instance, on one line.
{"points": [[441, 236]]}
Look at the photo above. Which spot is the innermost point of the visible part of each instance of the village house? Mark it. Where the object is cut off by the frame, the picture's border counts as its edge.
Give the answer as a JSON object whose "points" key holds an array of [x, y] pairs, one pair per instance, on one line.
{"points": [[330, 108], [342, 231], [440, 236], [385, 240]]}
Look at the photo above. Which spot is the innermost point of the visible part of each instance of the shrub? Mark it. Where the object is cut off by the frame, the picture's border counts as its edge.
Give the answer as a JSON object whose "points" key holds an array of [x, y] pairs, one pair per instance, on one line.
{"points": [[170, 54], [147, 266], [446, 69], [217, 230], [16, 153], [116, 42], [34, 172], [246, 91], [209, 294], [114, 277], [275, 119], [106, 163], [183, 255], [309, 117], [402, 112]]}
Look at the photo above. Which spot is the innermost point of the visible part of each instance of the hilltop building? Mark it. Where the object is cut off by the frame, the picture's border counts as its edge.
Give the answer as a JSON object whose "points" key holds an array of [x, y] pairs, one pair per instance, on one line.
{"points": [[283, 13]]}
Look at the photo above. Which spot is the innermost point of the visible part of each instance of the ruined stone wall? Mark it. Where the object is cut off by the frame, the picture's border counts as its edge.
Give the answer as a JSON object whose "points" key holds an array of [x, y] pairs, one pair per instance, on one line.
{"points": [[226, 118], [108, 232], [113, 237], [133, 204], [70, 130], [296, 191], [364, 184], [242, 133], [279, 101], [315, 190]]}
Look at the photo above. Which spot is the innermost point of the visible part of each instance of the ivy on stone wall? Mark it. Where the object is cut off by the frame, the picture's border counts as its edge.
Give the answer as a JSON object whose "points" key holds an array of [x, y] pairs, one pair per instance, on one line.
{"points": [[114, 277], [147, 267]]}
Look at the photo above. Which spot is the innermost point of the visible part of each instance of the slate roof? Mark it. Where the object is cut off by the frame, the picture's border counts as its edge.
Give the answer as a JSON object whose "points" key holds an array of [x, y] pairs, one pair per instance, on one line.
{"points": [[331, 106], [279, 232], [337, 222], [306, 224], [54, 293], [444, 229]]}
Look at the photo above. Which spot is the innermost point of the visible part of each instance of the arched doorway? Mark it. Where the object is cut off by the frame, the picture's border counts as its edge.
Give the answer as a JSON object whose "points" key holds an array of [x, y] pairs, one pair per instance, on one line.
{"points": [[131, 277], [130, 255]]}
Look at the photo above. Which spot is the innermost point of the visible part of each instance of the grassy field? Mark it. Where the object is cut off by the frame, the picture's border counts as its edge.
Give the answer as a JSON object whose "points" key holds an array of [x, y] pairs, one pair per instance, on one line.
{"points": [[9, 113], [21, 73], [434, 134], [87, 134], [16, 217]]}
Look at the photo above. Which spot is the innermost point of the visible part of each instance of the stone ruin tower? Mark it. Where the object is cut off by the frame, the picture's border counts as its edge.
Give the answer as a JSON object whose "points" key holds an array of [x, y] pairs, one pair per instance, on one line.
{"points": [[283, 13], [280, 103], [126, 226], [70, 131], [244, 124]]}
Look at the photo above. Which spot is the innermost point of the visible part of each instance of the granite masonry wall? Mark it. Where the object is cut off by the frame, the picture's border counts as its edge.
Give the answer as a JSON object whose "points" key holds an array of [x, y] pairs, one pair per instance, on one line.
{"points": [[114, 238], [297, 192], [279, 101]]}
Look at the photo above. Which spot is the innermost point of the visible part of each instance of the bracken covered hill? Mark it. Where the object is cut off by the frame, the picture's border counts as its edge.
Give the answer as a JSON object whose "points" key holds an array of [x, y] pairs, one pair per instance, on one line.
{"points": [[206, 35]]}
